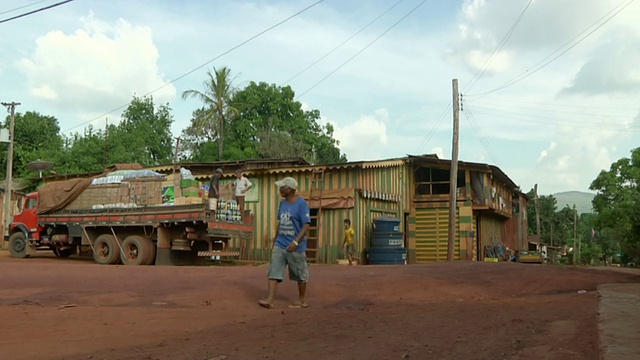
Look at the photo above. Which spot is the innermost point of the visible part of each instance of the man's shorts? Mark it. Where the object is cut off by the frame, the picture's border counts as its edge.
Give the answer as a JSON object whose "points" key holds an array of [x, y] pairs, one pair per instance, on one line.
{"points": [[350, 249], [296, 261]]}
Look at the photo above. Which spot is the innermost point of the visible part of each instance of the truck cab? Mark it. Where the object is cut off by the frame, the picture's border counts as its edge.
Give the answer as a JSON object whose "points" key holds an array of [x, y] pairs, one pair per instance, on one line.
{"points": [[24, 231]]}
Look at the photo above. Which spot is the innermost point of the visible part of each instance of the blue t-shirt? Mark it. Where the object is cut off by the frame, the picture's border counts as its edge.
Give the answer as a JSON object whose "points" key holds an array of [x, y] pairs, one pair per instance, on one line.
{"points": [[292, 218]]}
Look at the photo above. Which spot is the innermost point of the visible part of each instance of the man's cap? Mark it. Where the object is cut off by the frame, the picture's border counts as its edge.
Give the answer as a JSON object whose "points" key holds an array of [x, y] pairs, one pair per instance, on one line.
{"points": [[288, 182], [238, 171], [219, 170]]}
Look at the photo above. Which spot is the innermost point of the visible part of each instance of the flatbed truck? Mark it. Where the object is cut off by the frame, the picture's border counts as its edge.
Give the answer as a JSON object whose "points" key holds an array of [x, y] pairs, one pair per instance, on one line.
{"points": [[156, 234]]}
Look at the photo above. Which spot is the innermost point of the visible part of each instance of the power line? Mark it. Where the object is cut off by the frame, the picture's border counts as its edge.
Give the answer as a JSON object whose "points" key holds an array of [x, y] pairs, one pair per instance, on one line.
{"points": [[344, 42], [555, 104], [22, 7], [204, 64], [506, 38], [361, 50], [578, 124], [555, 111], [35, 11], [434, 128], [528, 73], [481, 137]]}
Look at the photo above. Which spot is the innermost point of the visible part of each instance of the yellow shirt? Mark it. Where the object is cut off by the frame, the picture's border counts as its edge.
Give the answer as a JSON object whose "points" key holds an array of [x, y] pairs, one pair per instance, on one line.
{"points": [[350, 235]]}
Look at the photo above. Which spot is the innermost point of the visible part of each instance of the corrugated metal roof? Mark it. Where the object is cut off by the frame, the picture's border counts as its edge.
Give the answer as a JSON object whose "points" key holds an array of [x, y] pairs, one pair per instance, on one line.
{"points": [[494, 170]]}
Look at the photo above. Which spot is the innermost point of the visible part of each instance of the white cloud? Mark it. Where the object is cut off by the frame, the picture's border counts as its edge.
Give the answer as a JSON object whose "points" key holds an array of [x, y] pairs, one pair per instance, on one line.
{"points": [[364, 138], [99, 66], [614, 67], [438, 151]]}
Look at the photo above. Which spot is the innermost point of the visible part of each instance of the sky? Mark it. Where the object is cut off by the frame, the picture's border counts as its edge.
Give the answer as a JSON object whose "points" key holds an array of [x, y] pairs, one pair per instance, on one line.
{"points": [[549, 88]]}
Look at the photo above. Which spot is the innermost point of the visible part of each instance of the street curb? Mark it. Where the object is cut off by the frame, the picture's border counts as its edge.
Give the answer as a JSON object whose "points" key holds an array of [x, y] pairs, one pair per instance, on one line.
{"points": [[619, 321]]}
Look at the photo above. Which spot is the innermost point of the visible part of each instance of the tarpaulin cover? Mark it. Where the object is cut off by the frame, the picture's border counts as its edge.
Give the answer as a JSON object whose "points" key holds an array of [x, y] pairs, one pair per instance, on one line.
{"points": [[56, 195], [332, 199]]}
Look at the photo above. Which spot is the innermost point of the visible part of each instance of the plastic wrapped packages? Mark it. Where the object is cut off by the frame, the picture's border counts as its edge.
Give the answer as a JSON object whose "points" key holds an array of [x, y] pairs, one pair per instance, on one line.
{"points": [[186, 174], [133, 174]]}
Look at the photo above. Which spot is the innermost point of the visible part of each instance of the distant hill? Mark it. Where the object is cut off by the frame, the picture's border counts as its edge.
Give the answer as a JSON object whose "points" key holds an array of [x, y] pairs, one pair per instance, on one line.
{"points": [[582, 200]]}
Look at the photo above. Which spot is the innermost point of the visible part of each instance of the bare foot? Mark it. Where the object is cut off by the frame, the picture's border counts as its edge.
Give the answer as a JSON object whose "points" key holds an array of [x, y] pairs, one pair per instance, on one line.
{"points": [[298, 305], [265, 304]]}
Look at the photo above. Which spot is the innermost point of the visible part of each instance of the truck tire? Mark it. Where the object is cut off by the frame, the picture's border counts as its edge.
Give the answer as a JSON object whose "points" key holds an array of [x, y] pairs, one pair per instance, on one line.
{"points": [[135, 250], [106, 250], [18, 245], [152, 253]]}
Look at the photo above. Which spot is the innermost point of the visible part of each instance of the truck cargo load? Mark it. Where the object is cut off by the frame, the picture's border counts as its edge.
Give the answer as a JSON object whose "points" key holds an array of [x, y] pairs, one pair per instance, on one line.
{"points": [[122, 217]]}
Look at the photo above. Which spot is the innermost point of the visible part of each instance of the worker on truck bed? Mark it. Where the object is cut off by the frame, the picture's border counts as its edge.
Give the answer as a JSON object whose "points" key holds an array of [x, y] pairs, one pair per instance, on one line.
{"points": [[214, 184], [242, 185]]}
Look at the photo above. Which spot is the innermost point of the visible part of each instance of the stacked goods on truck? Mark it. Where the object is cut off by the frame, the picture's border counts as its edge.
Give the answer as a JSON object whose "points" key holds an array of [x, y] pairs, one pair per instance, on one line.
{"points": [[124, 216]]}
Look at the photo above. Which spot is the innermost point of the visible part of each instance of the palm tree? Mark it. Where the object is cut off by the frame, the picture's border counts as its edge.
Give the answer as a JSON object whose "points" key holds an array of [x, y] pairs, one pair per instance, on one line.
{"points": [[217, 101]]}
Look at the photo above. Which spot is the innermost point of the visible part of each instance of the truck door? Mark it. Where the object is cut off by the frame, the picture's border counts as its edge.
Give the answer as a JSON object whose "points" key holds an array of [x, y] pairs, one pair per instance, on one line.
{"points": [[27, 216]]}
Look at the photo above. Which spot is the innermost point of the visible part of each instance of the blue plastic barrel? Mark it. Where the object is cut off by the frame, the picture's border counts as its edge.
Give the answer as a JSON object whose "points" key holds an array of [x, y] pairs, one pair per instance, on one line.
{"points": [[386, 224], [387, 256], [387, 239]]}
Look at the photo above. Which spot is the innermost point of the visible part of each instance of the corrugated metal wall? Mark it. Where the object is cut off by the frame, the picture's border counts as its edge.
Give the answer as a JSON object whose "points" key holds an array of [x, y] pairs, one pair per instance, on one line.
{"points": [[490, 232], [432, 234], [386, 180]]}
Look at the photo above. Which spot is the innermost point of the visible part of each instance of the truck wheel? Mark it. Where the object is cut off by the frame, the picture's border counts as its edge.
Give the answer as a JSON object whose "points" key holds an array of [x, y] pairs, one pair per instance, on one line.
{"points": [[106, 250], [18, 245], [135, 250], [152, 252]]}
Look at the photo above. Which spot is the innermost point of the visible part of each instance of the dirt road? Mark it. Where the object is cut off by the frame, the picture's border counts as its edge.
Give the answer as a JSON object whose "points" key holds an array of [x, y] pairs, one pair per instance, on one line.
{"points": [[73, 309]]}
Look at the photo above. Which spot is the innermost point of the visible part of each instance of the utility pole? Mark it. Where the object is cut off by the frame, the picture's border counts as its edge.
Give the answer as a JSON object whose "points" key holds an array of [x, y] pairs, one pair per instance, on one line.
{"points": [[537, 207], [575, 235], [11, 108], [176, 179], [453, 177]]}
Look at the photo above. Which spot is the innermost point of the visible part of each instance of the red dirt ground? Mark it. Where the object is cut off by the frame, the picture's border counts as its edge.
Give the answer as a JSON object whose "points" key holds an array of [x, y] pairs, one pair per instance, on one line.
{"points": [[74, 309]]}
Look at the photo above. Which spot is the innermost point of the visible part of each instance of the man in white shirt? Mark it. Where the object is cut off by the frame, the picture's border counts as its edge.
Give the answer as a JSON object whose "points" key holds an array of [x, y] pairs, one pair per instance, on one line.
{"points": [[242, 185]]}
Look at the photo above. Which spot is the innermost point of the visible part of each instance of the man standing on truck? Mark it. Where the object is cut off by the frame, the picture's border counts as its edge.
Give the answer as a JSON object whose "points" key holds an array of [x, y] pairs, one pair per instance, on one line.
{"points": [[214, 184], [242, 185], [290, 244]]}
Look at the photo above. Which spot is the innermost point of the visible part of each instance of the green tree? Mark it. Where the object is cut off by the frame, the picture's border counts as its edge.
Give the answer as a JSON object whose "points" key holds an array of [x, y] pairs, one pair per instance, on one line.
{"points": [[217, 108], [617, 204], [36, 136], [143, 136], [83, 153], [270, 123], [548, 205]]}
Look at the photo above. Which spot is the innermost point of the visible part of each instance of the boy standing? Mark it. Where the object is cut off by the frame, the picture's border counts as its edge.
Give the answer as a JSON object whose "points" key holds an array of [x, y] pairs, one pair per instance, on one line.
{"points": [[349, 240]]}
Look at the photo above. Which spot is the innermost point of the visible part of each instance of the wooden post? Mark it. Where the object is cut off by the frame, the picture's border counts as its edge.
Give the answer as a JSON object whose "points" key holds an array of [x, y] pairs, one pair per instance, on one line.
{"points": [[177, 191], [537, 207], [453, 177], [575, 236], [7, 183]]}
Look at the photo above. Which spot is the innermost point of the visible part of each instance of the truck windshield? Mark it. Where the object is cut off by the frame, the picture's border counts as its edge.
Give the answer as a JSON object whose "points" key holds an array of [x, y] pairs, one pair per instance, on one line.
{"points": [[31, 203]]}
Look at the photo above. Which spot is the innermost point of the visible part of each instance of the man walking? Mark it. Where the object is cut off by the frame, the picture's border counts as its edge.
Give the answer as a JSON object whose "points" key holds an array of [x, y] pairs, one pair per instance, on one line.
{"points": [[290, 244], [242, 185]]}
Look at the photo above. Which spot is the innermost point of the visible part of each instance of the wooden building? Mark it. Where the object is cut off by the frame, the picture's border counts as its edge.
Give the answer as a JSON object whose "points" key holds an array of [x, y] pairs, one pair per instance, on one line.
{"points": [[491, 210]]}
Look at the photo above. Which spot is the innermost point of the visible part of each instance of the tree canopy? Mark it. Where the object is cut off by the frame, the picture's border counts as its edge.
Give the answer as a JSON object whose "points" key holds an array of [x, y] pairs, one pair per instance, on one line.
{"points": [[143, 136], [259, 121], [617, 204], [217, 108], [269, 123]]}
